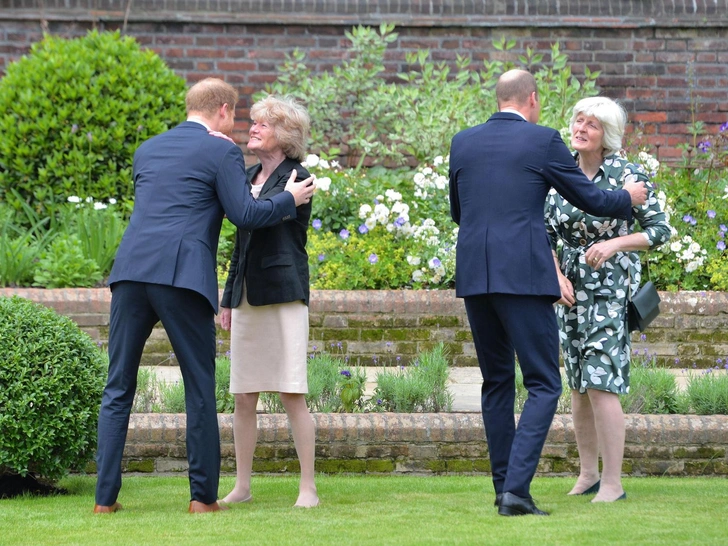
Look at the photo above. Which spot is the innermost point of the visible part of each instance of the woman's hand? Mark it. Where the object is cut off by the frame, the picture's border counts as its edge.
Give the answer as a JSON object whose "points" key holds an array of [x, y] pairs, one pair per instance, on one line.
{"points": [[599, 253], [225, 316], [567, 290]]}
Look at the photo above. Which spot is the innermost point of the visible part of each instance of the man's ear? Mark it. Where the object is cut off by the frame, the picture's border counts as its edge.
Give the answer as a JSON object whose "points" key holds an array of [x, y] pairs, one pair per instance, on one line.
{"points": [[224, 110]]}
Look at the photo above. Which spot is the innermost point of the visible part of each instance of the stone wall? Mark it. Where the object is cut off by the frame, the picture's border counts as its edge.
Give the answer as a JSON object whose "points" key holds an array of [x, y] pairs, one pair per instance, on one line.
{"points": [[443, 443], [666, 60], [376, 327]]}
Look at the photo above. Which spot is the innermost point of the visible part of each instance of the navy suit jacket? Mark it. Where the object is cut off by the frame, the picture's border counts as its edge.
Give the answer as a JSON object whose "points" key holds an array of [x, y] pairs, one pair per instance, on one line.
{"points": [[185, 181], [500, 174]]}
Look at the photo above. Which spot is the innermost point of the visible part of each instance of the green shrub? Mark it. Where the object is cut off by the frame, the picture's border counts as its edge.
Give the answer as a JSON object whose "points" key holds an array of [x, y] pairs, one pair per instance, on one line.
{"points": [[23, 238], [51, 379], [651, 389], [708, 392], [64, 264], [72, 113]]}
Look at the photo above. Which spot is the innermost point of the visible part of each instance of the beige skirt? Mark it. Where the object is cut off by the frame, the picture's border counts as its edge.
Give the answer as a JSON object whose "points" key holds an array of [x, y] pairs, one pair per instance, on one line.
{"points": [[268, 348]]}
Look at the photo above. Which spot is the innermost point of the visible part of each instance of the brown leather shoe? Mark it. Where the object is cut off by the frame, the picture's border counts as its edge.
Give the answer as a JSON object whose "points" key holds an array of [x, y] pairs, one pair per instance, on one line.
{"points": [[100, 509], [197, 507]]}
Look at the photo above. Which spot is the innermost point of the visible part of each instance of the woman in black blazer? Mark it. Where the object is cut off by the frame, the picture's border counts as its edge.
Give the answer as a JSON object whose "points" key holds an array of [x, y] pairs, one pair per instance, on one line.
{"points": [[265, 301]]}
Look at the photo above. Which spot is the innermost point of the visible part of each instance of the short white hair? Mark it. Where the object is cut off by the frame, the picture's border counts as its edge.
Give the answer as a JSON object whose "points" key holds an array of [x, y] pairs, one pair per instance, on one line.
{"points": [[612, 117]]}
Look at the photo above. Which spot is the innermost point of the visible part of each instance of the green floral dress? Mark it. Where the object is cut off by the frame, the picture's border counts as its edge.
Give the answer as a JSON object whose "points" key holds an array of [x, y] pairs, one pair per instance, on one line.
{"points": [[594, 336]]}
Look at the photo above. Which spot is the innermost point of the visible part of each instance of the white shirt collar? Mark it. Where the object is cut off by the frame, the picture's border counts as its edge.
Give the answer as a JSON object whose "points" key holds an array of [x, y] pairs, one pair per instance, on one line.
{"points": [[199, 120], [513, 111]]}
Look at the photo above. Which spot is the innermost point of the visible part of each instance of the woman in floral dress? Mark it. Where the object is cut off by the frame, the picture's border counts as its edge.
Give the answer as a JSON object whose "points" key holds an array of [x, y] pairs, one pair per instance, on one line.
{"points": [[598, 269]]}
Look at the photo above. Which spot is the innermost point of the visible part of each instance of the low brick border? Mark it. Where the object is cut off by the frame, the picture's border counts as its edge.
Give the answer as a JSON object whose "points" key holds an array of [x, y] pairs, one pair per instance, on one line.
{"points": [[435, 443]]}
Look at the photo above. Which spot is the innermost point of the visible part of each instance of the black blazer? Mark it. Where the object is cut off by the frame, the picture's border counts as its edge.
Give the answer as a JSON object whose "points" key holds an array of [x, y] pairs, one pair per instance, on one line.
{"points": [[272, 261]]}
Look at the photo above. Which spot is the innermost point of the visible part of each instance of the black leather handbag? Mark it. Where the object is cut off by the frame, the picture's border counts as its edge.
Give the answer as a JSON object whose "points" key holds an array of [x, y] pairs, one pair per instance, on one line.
{"points": [[643, 307]]}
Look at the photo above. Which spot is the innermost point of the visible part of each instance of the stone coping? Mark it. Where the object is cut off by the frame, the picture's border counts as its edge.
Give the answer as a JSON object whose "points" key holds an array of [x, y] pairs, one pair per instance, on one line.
{"points": [[676, 445]]}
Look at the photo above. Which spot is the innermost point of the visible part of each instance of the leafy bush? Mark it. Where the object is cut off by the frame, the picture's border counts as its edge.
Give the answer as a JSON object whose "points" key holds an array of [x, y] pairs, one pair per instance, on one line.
{"points": [[652, 389], [421, 387], [23, 238], [63, 264], [72, 113], [708, 392], [51, 379], [358, 114]]}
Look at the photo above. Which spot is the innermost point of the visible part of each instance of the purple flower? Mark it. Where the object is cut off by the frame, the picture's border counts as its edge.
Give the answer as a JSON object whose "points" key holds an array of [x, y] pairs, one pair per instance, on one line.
{"points": [[373, 258], [321, 257], [704, 146], [436, 262], [316, 224], [723, 228], [344, 234], [711, 214], [379, 401], [346, 373], [721, 235], [687, 219], [363, 229], [74, 128], [399, 222], [720, 245], [724, 127]]}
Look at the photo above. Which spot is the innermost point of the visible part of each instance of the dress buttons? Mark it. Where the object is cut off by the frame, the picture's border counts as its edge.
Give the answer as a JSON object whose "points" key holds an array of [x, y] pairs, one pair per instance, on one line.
{"points": [[582, 242]]}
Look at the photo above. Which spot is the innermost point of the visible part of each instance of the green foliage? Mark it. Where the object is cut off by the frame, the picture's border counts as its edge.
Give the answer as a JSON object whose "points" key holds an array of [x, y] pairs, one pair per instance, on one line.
{"points": [[651, 389], [22, 239], [72, 113], [172, 397], [225, 400], [708, 392], [64, 264], [146, 397], [421, 387], [358, 114], [51, 378]]}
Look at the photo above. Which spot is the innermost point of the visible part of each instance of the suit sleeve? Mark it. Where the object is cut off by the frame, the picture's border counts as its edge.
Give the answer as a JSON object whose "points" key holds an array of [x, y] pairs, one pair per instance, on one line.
{"points": [[227, 294], [240, 207], [563, 174]]}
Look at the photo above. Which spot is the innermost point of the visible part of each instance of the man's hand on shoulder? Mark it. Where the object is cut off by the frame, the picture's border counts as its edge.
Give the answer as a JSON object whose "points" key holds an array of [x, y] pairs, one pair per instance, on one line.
{"points": [[637, 191], [302, 191]]}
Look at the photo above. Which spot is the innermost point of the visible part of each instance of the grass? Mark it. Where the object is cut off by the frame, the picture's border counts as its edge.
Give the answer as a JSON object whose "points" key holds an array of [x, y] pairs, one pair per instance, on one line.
{"points": [[373, 510]]}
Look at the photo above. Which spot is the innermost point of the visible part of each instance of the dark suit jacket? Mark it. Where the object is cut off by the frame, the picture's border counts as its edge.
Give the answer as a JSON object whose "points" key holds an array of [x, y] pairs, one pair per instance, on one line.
{"points": [[185, 180], [500, 173], [273, 260]]}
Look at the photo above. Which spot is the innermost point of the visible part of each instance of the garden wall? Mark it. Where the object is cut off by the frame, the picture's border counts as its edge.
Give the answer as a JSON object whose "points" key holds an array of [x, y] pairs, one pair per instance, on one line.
{"points": [[666, 60], [440, 443], [375, 327]]}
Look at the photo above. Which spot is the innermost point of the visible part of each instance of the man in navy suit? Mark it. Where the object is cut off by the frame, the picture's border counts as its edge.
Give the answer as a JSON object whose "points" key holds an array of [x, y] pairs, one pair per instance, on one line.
{"points": [[500, 173], [185, 181]]}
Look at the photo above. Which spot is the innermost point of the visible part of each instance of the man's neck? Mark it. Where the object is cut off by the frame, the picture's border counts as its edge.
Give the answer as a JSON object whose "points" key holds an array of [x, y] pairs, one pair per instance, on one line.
{"points": [[510, 110], [202, 121]]}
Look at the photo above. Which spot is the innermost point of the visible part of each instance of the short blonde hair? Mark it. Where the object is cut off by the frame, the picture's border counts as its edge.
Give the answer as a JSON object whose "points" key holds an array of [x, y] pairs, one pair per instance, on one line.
{"points": [[208, 96], [612, 117], [290, 123]]}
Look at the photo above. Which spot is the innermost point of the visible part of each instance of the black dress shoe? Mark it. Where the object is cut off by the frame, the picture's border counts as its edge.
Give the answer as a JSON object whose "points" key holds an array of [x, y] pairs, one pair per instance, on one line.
{"points": [[513, 505], [498, 498]]}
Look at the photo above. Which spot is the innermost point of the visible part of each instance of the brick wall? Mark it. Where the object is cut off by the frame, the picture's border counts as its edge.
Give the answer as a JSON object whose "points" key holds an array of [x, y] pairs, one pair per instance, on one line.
{"points": [[654, 56], [375, 327], [441, 443]]}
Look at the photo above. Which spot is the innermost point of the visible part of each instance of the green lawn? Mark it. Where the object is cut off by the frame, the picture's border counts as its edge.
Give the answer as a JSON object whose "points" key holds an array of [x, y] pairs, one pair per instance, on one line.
{"points": [[376, 510]]}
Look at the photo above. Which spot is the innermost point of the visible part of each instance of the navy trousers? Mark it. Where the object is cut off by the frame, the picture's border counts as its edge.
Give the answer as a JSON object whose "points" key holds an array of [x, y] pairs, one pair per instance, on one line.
{"points": [[505, 326], [189, 321]]}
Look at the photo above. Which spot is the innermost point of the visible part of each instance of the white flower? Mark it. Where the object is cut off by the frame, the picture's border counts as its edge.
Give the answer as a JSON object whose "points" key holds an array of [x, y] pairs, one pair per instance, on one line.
{"points": [[419, 178], [99, 206], [393, 195], [675, 246], [364, 211], [417, 275], [413, 260], [323, 183], [74, 199], [311, 160], [437, 161], [426, 171], [335, 164], [370, 223], [112, 201], [323, 164]]}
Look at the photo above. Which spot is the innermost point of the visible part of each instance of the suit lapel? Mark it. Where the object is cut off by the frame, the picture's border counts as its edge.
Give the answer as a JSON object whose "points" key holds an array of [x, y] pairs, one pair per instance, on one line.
{"points": [[282, 172]]}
